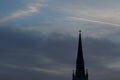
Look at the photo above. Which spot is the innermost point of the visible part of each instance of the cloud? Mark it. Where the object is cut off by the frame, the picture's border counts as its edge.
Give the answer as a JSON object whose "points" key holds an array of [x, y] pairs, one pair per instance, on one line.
{"points": [[30, 9], [89, 11], [22, 51], [31, 55], [59, 70], [93, 21]]}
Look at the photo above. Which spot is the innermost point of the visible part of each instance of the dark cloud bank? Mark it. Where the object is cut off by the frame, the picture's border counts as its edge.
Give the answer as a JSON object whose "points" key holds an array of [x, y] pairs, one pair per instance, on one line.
{"points": [[27, 55]]}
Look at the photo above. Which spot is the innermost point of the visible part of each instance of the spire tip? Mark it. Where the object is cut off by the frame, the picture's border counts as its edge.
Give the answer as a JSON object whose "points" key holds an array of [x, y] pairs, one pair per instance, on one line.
{"points": [[80, 31]]}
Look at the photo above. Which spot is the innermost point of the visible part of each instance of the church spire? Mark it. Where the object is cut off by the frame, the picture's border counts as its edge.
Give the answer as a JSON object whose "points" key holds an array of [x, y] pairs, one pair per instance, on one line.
{"points": [[80, 73], [80, 70]]}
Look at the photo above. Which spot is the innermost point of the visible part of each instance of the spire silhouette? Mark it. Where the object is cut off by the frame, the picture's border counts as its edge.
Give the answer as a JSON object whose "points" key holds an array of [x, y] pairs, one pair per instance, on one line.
{"points": [[80, 73]]}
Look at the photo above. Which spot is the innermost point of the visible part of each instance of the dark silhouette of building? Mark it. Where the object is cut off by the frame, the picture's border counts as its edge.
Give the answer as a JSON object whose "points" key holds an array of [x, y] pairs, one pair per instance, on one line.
{"points": [[80, 73]]}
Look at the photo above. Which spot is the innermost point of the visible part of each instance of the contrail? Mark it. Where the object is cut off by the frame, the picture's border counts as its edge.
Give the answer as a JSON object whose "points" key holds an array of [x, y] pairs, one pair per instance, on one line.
{"points": [[95, 21]]}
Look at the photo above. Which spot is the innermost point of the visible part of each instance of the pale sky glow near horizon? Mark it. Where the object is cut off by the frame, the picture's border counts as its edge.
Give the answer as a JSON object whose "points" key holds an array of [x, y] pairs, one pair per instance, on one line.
{"points": [[38, 38]]}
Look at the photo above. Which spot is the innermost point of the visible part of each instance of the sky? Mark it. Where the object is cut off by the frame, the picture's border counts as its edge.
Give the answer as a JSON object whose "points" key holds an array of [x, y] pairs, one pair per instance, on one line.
{"points": [[39, 38]]}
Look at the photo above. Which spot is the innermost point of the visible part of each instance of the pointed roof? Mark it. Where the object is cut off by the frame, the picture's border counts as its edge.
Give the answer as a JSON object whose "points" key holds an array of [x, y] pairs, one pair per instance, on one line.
{"points": [[80, 70]]}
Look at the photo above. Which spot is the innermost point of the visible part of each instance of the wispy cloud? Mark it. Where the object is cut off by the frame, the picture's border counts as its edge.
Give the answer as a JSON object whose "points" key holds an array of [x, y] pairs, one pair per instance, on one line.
{"points": [[57, 70], [113, 64], [30, 9], [93, 21]]}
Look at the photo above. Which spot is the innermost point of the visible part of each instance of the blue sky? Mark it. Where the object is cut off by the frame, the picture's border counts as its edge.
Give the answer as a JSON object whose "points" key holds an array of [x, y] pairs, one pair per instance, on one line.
{"points": [[37, 36]]}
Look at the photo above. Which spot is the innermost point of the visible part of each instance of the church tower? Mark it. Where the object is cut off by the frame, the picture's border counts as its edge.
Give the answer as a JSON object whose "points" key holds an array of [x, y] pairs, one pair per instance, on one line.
{"points": [[80, 73]]}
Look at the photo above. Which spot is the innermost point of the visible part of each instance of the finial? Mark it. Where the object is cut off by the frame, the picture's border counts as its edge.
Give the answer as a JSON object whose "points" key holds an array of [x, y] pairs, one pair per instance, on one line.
{"points": [[80, 31]]}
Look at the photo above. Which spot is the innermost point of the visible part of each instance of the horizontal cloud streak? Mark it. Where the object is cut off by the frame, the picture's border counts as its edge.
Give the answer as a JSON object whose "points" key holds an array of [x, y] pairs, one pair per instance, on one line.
{"points": [[93, 21], [59, 70]]}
